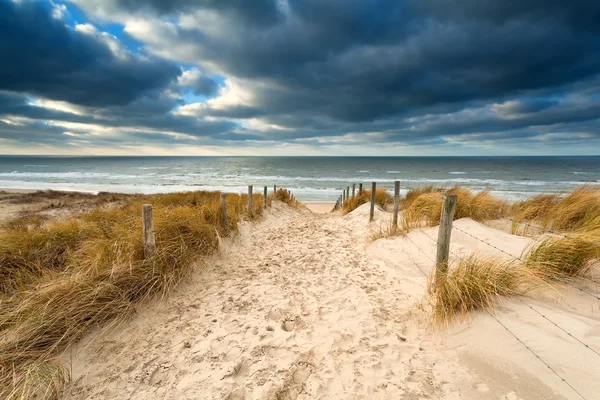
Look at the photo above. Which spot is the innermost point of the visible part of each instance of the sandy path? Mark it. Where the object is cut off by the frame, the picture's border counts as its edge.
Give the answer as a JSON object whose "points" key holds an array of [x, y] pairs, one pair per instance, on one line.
{"points": [[301, 306], [292, 309]]}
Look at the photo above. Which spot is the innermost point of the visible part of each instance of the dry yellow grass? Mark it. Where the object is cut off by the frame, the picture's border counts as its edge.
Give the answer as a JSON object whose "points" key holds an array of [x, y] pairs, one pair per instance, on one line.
{"points": [[478, 283], [423, 206], [575, 250], [386, 230], [285, 196], [383, 198], [59, 279], [579, 209], [563, 257]]}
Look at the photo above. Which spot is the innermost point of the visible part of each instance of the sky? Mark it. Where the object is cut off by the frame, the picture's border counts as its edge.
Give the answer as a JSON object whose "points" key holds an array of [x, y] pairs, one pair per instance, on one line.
{"points": [[300, 77]]}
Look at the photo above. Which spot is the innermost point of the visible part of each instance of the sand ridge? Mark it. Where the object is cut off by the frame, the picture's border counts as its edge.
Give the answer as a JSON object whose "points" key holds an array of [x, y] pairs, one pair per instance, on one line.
{"points": [[302, 306]]}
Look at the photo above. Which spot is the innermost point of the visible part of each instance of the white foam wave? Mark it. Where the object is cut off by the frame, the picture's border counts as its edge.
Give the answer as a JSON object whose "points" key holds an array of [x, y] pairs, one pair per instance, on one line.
{"points": [[66, 175]]}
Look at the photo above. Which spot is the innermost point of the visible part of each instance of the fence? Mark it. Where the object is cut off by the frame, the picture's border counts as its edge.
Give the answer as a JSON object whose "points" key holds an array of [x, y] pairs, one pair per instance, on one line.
{"points": [[441, 262], [149, 239], [343, 199]]}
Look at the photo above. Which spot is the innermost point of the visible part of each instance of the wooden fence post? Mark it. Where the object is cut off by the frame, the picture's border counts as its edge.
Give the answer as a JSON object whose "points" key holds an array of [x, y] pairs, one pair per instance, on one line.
{"points": [[224, 211], [445, 230], [373, 190], [348, 192], [265, 197], [250, 200], [353, 189], [396, 202], [148, 231], [274, 190], [359, 188], [343, 197]]}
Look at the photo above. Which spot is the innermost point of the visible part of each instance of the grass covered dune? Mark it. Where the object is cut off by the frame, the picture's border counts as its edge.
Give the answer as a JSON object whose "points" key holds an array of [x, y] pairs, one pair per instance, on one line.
{"points": [[59, 278], [568, 245]]}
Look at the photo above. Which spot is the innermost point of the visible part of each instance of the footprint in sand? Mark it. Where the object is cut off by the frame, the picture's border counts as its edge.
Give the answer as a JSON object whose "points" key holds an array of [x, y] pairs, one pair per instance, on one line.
{"points": [[289, 324]]}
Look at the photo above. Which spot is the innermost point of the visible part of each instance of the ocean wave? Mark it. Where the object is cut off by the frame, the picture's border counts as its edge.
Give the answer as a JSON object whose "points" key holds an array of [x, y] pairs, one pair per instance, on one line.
{"points": [[393, 172], [66, 175], [457, 173], [362, 172], [149, 168]]}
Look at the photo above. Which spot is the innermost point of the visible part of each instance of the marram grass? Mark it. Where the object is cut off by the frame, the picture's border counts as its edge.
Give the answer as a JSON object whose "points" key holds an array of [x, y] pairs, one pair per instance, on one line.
{"points": [[577, 210], [422, 206], [478, 283], [59, 279], [565, 257], [383, 198]]}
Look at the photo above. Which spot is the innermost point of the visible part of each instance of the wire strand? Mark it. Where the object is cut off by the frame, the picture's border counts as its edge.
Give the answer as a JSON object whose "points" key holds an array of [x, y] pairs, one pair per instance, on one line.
{"points": [[523, 261], [516, 337]]}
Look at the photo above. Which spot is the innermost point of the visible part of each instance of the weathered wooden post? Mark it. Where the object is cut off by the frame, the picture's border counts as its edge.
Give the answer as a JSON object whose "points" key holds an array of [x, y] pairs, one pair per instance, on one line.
{"points": [[396, 202], [274, 190], [249, 199], [359, 188], [445, 230], [265, 198], [148, 231], [348, 192], [224, 211], [343, 197], [353, 189], [373, 190]]}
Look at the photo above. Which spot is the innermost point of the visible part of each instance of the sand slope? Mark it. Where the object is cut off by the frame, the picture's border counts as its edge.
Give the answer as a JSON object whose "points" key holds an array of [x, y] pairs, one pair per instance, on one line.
{"points": [[301, 305]]}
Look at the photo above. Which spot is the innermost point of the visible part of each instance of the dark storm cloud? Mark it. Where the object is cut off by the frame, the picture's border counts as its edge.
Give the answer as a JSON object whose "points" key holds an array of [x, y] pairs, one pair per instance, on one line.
{"points": [[263, 12], [43, 57], [580, 14], [141, 114], [414, 71], [366, 60]]}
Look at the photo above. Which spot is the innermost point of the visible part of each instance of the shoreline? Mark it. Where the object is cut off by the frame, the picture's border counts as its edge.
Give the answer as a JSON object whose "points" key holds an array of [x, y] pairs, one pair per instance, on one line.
{"points": [[319, 207]]}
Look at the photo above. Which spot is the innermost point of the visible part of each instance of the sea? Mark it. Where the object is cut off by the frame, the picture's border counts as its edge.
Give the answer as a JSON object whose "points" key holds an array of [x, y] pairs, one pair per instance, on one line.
{"points": [[311, 179]]}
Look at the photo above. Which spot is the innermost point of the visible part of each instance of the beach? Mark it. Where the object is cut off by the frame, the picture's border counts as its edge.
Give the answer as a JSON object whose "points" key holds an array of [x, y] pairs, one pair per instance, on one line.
{"points": [[303, 304], [311, 179]]}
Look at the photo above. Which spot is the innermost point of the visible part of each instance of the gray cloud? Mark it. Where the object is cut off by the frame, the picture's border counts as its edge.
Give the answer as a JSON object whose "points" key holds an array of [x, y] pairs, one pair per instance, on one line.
{"points": [[420, 71], [43, 57]]}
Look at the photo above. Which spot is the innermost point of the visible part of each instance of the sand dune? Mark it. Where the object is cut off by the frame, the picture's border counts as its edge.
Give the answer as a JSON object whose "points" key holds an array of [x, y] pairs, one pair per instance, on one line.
{"points": [[301, 305]]}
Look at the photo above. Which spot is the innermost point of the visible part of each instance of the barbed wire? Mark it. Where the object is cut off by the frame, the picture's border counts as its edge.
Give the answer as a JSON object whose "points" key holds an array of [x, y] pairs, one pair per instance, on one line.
{"points": [[523, 261], [520, 259], [535, 354], [552, 231], [512, 333], [560, 327]]}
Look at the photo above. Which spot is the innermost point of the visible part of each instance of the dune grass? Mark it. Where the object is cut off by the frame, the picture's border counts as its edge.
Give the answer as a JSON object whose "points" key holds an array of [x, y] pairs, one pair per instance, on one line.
{"points": [[285, 196], [575, 217], [383, 198], [386, 229], [478, 283], [422, 206], [59, 279], [565, 257], [577, 210]]}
